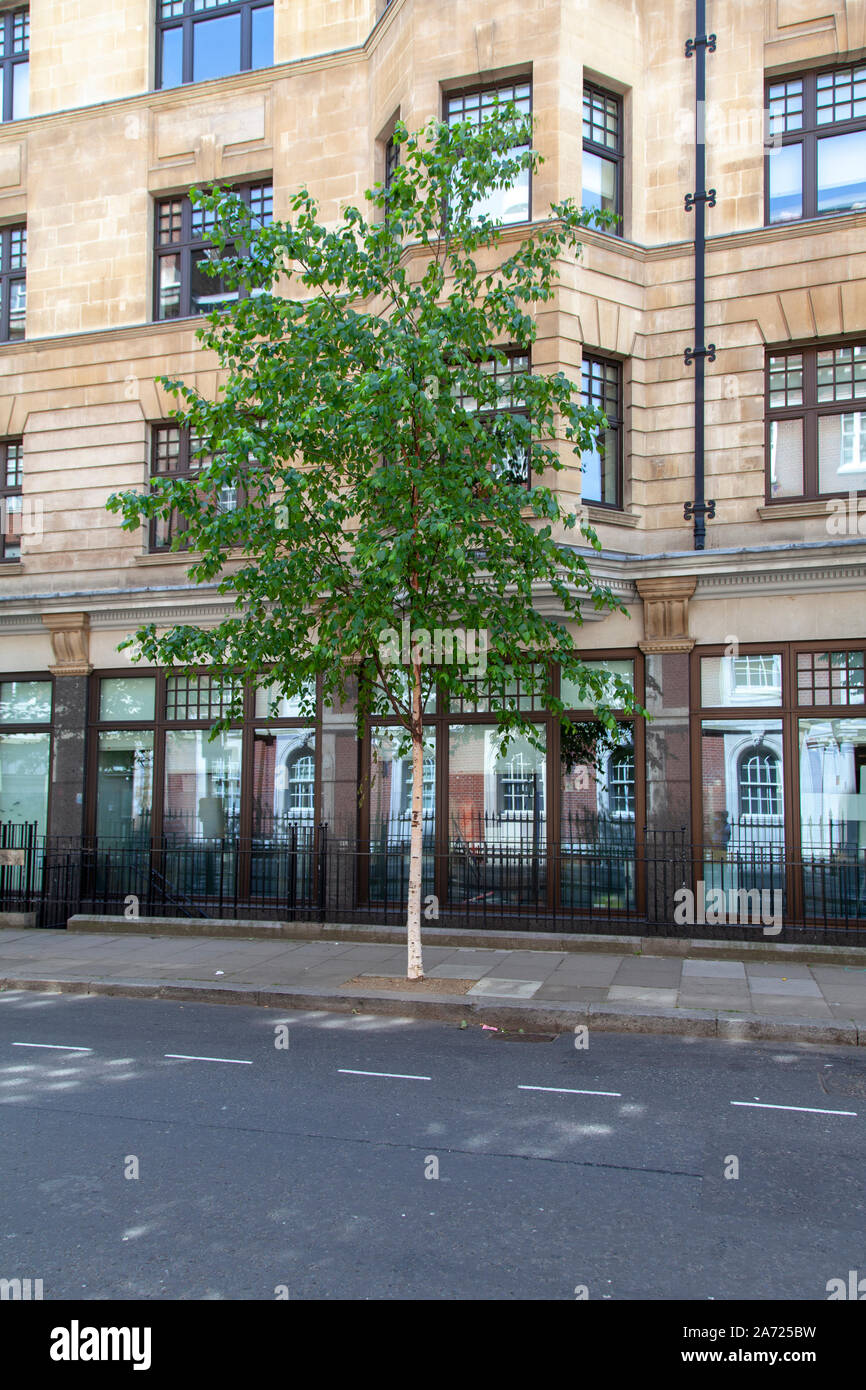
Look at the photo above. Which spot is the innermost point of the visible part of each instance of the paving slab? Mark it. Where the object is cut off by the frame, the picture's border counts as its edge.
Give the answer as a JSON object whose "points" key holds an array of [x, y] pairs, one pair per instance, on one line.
{"points": [[491, 987], [642, 994], [645, 970], [777, 985], [714, 969]]}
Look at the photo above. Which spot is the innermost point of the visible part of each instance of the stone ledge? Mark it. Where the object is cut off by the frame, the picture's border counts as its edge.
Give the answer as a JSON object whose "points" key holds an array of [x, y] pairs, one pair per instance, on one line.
{"points": [[365, 933]]}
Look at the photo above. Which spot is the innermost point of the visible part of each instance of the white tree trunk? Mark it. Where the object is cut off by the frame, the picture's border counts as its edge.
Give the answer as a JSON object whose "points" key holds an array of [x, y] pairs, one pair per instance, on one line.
{"points": [[415, 970]]}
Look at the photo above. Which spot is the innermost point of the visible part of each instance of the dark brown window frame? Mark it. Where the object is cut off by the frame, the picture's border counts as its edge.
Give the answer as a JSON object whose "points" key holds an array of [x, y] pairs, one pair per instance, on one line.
{"points": [[616, 156], [187, 468], [439, 718], [617, 424], [808, 412], [487, 415], [8, 490], [788, 712], [15, 29], [480, 89], [189, 243], [185, 20], [13, 247], [808, 135], [247, 724]]}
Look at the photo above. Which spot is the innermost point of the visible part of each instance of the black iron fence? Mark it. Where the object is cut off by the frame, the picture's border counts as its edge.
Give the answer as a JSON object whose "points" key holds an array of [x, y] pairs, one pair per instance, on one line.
{"points": [[609, 881]]}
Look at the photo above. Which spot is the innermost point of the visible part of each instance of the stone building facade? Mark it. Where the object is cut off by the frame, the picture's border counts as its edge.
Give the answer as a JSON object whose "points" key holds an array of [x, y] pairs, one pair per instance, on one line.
{"points": [[748, 653]]}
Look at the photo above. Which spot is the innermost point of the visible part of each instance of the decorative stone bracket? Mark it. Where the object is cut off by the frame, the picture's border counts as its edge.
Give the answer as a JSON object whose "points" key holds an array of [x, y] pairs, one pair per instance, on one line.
{"points": [[70, 643], [666, 613]]}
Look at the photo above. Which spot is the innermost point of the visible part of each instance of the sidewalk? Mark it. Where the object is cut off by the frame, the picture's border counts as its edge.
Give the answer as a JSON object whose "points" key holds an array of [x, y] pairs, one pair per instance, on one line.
{"points": [[615, 989]]}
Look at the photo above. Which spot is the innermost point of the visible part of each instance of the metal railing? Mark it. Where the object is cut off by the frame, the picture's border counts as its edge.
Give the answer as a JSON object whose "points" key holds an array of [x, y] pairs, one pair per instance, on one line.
{"points": [[601, 877]]}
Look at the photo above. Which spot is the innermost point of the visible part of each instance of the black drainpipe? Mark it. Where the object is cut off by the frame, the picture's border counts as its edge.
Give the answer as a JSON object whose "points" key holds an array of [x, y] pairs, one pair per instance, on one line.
{"points": [[698, 201]]}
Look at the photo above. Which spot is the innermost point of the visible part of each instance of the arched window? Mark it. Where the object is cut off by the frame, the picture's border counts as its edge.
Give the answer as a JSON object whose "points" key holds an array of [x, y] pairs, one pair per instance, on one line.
{"points": [[301, 783], [428, 788], [759, 783], [620, 783]]}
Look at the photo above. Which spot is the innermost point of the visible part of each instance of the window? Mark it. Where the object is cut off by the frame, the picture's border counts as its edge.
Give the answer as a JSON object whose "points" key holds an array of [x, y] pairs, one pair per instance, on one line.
{"points": [[521, 786], [830, 678], [816, 422], [475, 105], [198, 697], [13, 284], [175, 453], [14, 65], [817, 124], [620, 783], [428, 786], [392, 159], [602, 465], [516, 468], [198, 39], [302, 783], [182, 287], [11, 479], [602, 153], [759, 782]]}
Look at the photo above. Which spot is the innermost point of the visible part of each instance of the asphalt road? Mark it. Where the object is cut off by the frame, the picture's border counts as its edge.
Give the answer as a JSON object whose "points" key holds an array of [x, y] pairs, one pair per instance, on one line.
{"points": [[265, 1168]]}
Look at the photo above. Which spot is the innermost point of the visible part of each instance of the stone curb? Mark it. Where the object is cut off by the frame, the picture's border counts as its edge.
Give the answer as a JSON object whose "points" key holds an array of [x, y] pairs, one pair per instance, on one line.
{"points": [[531, 1015], [363, 934]]}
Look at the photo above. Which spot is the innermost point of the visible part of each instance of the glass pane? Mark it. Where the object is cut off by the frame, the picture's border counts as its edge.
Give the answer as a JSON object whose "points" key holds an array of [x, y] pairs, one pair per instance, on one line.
{"points": [[20, 91], [285, 708], [127, 697], [842, 452], [391, 786], [786, 183], [216, 50], [263, 37], [169, 287], [842, 172], [600, 468], [24, 760], [786, 380], [496, 794], [497, 807], [831, 678], [124, 784], [743, 806], [599, 183], [25, 702], [786, 458], [616, 666], [391, 811], [505, 204], [833, 787], [17, 308], [597, 829], [202, 785], [171, 67], [284, 781], [207, 292], [741, 680]]}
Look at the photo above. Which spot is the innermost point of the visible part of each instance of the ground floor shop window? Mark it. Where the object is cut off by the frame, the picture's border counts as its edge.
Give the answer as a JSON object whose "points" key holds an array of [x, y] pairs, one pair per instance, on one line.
{"points": [[780, 794]]}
